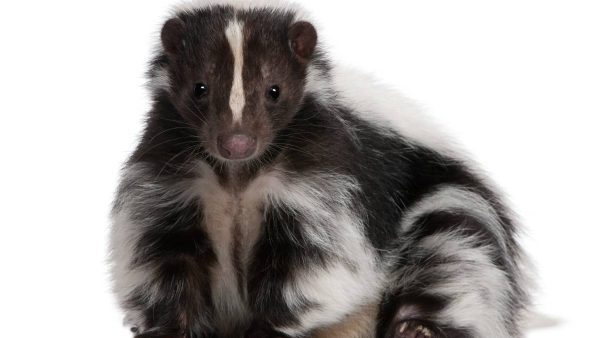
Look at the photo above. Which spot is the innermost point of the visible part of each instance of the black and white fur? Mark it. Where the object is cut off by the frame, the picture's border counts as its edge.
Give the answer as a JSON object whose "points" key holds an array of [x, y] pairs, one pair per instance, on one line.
{"points": [[354, 218]]}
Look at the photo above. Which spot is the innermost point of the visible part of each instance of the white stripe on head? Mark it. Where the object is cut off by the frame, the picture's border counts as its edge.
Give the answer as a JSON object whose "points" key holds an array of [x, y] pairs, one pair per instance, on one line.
{"points": [[235, 36]]}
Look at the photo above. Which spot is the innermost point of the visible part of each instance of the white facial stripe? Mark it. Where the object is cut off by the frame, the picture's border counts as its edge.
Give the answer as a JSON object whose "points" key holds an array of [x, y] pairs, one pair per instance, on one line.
{"points": [[235, 36]]}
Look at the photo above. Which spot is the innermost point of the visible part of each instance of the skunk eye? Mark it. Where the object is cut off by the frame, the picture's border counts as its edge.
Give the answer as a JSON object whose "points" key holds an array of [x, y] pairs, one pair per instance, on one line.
{"points": [[200, 89], [274, 92]]}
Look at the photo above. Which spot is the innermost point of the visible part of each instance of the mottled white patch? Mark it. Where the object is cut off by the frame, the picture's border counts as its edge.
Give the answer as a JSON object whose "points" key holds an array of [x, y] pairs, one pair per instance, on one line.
{"points": [[318, 83], [160, 80], [235, 36]]}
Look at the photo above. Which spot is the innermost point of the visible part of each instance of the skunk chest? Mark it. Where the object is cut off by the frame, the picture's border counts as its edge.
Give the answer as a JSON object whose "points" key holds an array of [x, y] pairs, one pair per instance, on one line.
{"points": [[233, 223]]}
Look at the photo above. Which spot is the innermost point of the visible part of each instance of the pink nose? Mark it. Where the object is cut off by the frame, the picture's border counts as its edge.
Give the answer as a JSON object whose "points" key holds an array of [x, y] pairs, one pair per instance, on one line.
{"points": [[236, 146]]}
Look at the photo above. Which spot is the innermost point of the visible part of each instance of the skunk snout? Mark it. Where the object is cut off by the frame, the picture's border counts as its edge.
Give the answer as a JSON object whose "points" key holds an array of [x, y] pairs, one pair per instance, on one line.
{"points": [[236, 146]]}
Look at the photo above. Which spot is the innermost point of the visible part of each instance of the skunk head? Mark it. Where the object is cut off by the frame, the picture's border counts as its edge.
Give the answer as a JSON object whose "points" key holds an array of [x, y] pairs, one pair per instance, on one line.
{"points": [[236, 76]]}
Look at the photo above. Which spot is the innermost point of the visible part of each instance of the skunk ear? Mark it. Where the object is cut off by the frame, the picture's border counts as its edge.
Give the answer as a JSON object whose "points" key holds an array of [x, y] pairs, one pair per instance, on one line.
{"points": [[303, 39], [172, 36]]}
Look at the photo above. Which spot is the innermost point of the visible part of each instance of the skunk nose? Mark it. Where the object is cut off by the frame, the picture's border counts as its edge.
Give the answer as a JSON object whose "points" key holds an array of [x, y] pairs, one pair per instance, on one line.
{"points": [[236, 146]]}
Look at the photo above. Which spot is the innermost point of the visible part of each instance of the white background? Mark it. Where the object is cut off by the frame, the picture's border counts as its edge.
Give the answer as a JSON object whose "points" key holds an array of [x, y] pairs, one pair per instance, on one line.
{"points": [[517, 82]]}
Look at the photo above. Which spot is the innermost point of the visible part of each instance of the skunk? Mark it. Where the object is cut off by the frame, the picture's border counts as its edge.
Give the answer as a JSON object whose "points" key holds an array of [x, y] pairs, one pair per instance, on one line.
{"points": [[273, 194]]}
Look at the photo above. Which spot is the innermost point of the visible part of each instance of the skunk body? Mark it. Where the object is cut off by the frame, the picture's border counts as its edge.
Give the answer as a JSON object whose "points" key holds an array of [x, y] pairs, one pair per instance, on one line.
{"points": [[271, 197]]}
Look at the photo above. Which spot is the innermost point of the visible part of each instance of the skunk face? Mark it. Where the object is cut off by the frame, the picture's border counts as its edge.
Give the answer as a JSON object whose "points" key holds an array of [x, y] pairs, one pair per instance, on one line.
{"points": [[237, 79]]}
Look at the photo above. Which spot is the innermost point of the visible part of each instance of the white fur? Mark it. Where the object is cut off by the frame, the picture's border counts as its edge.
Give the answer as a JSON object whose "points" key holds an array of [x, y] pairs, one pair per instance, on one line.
{"points": [[476, 287], [235, 36], [457, 199], [123, 236], [338, 290], [125, 233], [323, 202], [318, 199], [381, 105], [160, 80], [477, 291]]}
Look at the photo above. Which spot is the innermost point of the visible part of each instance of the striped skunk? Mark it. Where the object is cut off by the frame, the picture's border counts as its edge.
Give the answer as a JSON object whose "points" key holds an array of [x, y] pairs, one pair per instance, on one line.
{"points": [[273, 194]]}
